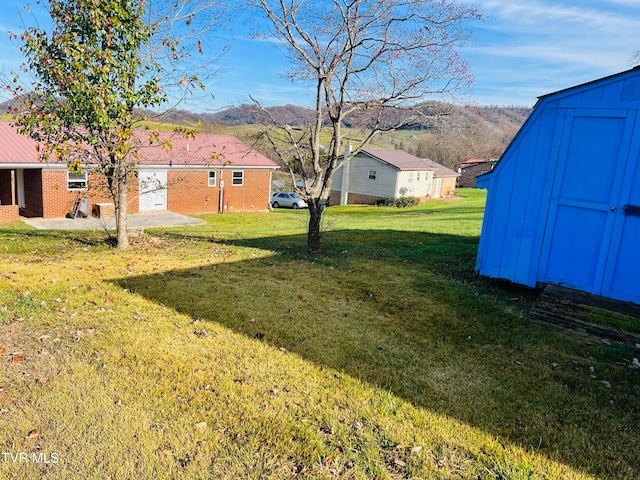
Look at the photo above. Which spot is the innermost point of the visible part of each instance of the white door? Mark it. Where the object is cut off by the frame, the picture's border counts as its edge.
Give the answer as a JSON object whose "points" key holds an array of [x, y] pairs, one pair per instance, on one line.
{"points": [[438, 188], [153, 191]]}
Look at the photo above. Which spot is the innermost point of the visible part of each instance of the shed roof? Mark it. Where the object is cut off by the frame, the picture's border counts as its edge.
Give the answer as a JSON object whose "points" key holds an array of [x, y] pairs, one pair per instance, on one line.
{"points": [[203, 150], [586, 84], [629, 92], [405, 161]]}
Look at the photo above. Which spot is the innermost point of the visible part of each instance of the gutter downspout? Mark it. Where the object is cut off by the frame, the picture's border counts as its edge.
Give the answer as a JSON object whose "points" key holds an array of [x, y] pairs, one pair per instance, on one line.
{"points": [[221, 199]]}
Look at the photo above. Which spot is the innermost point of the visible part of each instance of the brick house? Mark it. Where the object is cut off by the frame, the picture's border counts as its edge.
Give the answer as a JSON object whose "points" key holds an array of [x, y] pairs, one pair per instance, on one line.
{"points": [[374, 174], [205, 174]]}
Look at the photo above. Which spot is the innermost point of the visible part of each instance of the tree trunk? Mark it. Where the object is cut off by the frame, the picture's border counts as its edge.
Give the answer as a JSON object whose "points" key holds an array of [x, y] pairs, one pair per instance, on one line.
{"points": [[315, 219], [121, 205]]}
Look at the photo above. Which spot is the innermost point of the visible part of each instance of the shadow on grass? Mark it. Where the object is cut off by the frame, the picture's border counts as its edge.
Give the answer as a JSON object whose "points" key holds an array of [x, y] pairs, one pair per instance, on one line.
{"points": [[406, 312], [401, 212], [21, 232]]}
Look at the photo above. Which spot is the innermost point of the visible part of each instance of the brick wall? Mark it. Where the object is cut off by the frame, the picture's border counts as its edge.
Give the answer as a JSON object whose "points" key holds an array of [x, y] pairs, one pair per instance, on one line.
{"points": [[358, 198], [9, 213], [99, 193], [190, 193], [352, 198], [253, 196], [334, 198], [355, 198], [47, 195], [59, 200]]}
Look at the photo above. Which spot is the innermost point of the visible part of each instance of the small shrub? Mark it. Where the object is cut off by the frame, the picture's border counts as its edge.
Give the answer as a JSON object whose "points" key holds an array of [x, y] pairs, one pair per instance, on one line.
{"points": [[401, 202], [386, 202], [405, 202]]}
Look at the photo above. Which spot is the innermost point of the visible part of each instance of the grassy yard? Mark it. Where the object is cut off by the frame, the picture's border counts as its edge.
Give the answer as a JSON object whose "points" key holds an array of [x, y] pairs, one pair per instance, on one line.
{"points": [[224, 351]]}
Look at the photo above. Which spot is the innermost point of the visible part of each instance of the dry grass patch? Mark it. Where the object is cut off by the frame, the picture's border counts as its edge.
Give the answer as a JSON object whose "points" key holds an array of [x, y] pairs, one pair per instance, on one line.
{"points": [[208, 354]]}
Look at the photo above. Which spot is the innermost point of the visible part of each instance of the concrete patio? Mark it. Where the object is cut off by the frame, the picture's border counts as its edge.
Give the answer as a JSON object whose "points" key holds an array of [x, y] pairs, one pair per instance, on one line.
{"points": [[137, 221]]}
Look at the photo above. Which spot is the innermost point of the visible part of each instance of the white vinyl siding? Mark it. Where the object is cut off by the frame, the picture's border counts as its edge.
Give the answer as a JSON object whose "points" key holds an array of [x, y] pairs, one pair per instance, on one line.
{"points": [[409, 186], [389, 182], [384, 184]]}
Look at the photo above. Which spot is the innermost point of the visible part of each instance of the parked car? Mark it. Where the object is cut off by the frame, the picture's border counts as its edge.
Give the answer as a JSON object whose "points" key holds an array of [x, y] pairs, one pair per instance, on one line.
{"points": [[287, 199]]}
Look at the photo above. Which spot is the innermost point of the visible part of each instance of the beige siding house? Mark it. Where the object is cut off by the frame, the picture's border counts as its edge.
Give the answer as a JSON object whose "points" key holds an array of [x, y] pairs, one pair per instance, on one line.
{"points": [[375, 174]]}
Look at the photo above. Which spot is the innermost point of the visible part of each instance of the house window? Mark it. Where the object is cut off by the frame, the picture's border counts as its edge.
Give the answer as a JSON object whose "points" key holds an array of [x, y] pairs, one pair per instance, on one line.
{"points": [[449, 182], [418, 177], [212, 178], [237, 177], [76, 181], [411, 177], [373, 174]]}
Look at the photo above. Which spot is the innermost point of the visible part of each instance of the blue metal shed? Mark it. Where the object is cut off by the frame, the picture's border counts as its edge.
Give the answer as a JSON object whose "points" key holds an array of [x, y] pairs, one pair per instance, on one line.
{"points": [[563, 204]]}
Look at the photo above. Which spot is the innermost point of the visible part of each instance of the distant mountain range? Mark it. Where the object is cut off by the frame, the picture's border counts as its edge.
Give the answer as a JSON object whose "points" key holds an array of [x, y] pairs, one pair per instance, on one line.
{"points": [[504, 118], [456, 134], [294, 115]]}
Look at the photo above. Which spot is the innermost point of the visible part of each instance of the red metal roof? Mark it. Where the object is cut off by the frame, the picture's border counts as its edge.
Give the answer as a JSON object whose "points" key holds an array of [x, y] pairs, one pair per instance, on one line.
{"points": [[16, 148], [476, 160], [203, 150]]}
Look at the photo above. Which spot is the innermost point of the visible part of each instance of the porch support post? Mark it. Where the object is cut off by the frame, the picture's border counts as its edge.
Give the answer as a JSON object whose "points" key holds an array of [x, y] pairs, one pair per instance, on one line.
{"points": [[13, 187]]}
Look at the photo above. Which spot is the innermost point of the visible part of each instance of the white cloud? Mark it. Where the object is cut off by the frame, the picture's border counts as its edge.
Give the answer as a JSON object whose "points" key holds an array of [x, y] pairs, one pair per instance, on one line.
{"points": [[537, 47], [625, 3]]}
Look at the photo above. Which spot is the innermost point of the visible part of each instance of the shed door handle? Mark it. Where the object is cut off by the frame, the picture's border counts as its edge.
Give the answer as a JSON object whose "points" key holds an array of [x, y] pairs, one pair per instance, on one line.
{"points": [[633, 210]]}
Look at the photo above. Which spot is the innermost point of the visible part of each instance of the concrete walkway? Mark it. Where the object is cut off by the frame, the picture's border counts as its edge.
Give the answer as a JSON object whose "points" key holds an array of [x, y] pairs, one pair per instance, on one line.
{"points": [[137, 221]]}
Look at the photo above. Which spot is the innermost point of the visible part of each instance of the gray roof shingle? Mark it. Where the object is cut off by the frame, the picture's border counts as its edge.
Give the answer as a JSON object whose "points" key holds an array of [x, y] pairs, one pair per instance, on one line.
{"points": [[405, 161]]}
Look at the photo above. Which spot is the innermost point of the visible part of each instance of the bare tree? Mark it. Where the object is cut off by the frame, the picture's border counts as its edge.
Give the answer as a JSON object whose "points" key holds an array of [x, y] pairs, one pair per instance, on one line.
{"points": [[364, 60]]}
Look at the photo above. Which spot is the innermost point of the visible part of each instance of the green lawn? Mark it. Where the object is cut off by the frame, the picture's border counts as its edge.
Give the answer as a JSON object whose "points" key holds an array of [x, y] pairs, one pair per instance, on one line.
{"points": [[224, 351]]}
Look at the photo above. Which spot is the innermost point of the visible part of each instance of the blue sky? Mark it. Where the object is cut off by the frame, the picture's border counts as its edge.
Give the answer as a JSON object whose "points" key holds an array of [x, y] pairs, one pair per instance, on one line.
{"points": [[521, 50]]}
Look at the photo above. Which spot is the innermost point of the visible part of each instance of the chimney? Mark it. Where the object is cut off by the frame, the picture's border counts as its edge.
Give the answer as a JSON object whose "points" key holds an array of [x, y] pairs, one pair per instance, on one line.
{"points": [[346, 176]]}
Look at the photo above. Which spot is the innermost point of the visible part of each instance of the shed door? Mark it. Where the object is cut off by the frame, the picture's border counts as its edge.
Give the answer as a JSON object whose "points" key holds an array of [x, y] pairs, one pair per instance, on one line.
{"points": [[153, 191], [586, 222], [622, 275]]}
